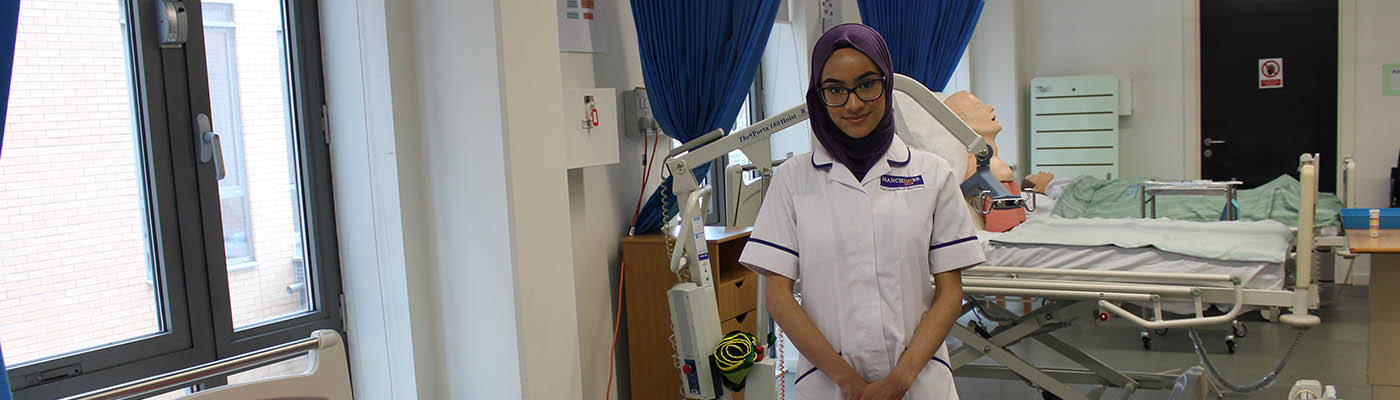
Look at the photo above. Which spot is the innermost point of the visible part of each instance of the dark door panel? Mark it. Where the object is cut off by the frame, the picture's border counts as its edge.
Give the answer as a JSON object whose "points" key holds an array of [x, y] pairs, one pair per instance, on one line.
{"points": [[1257, 134]]}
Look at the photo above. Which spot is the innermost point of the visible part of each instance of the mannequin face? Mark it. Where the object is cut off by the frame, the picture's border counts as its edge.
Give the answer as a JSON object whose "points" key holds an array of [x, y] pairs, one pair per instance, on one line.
{"points": [[850, 68], [980, 117]]}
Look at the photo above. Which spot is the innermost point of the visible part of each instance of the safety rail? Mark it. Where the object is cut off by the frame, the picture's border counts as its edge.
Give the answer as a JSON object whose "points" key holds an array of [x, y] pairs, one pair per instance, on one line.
{"points": [[1151, 276], [319, 340], [1108, 292]]}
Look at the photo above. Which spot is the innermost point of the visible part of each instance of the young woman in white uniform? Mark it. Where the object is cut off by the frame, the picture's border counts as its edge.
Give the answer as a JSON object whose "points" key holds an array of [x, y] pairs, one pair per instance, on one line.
{"points": [[863, 222]]}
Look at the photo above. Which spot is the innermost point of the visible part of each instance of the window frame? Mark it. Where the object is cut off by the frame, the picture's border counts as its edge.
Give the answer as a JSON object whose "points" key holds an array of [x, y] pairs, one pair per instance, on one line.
{"points": [[300, 23], [717, 210], [190, 277]]}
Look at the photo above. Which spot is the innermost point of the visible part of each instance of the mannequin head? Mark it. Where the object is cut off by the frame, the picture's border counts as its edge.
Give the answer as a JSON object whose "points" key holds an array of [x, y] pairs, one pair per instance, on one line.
{"points": [[982, 118]]}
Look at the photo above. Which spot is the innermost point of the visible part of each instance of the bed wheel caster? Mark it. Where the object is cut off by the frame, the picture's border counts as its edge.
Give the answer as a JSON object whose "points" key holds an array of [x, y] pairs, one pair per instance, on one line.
{"points": [[1160, 331], [1230, 343], [1147, 343], [1240, 329]]}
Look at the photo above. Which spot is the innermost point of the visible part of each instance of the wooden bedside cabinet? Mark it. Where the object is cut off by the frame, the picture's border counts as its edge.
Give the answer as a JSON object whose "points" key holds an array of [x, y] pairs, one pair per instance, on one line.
{"points": [[654, 375]]}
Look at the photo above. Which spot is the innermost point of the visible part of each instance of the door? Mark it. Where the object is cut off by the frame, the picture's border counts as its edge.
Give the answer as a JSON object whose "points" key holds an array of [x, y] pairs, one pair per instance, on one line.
{"points": [[1255, 134]]}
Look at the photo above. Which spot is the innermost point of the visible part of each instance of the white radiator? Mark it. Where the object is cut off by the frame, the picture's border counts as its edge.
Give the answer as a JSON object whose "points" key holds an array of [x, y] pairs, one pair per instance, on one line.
{"points": [[1074, 125]]}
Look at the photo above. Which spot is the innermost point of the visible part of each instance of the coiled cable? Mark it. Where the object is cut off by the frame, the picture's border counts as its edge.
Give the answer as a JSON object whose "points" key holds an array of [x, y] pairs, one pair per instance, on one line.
{"points": [[1214, 374], [782, 373]]}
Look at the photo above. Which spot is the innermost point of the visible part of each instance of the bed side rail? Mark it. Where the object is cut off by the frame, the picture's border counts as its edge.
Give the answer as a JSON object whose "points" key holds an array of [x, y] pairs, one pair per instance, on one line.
{"points": [[1013, 281]]}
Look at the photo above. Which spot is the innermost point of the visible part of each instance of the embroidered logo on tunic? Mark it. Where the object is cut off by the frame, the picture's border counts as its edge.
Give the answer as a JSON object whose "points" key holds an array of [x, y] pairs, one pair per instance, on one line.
{"points": [[891, 182]]}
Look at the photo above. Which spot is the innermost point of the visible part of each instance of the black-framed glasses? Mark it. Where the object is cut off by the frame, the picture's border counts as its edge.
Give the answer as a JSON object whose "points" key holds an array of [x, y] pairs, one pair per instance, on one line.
{"points": [[867, 90]]}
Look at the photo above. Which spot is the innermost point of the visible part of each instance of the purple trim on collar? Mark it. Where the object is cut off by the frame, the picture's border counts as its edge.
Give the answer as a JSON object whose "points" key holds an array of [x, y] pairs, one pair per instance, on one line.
{"points": [[908, 155]]}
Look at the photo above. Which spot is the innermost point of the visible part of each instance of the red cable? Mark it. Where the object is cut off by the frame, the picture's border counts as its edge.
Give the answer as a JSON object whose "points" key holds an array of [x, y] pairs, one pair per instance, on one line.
{"points": [[617, 321], [646, 175], [622, 268], [646, 169]]}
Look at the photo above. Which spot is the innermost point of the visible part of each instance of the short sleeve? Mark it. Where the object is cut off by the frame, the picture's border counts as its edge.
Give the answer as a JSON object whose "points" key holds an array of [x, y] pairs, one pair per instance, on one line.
{"points": [[953, 244], [772, 247]]}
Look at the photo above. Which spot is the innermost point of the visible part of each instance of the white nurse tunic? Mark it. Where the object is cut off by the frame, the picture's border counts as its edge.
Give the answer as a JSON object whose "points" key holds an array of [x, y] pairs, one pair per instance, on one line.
{"points": [[864, 252]]}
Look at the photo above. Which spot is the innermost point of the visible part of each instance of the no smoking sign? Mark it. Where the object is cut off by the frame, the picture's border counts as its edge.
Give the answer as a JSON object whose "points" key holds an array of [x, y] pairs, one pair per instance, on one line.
{"points": [[1270, 73]]}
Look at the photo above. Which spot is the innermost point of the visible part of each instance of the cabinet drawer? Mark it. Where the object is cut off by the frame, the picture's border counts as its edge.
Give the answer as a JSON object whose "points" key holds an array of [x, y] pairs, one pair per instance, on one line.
{"points": [[743, 322], [737, 296]]}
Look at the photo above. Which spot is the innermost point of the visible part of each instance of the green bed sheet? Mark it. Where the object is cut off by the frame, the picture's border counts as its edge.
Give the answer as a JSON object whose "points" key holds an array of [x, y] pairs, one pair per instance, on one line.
{"points": [[1278, 200]]}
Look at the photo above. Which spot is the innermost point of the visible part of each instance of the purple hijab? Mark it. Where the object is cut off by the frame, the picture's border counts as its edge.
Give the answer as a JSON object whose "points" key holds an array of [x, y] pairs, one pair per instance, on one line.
{"points": [[858, 155]]}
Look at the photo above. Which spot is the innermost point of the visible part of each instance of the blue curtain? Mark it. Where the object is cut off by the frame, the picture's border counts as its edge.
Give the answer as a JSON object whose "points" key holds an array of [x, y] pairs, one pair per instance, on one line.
{"points": [[926, 37], [9, 22], [698, 61], [4, 381]]}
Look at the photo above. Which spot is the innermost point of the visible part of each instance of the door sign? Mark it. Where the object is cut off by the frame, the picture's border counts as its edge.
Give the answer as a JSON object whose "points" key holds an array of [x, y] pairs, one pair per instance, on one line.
{"points": [[1270, 73]]}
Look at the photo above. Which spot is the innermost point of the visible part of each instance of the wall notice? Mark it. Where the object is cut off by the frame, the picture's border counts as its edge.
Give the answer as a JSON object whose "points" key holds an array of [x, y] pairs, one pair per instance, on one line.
{"points": [[1270, 73], [578, 27], [1390, 78]]}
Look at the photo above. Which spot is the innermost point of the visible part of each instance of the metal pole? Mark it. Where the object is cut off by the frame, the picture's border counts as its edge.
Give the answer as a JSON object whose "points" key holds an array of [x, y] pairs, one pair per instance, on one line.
{"points": [[200, 372], [1168, 276]]}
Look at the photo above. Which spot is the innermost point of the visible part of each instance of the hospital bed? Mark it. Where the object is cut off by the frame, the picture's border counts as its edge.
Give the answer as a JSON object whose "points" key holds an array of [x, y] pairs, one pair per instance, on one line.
{"points": [[327, 375], [1265, 276], [1073, 292]]}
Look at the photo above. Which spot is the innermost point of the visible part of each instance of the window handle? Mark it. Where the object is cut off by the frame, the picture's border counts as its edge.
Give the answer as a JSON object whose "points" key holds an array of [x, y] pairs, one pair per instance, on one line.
{"points": [[211, 149]]}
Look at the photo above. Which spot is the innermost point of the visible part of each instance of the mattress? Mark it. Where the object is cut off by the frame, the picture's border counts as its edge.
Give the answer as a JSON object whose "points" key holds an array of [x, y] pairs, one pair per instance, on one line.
{"points": [[1253, 275]]}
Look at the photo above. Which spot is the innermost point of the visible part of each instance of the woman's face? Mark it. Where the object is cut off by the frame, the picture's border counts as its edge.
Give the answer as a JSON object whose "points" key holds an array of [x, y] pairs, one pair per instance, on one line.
{"points": [[849, 68], [980, 117]]}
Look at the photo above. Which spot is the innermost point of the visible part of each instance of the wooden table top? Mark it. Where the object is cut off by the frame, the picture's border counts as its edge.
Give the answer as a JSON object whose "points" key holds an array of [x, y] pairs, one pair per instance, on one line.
{"points": [[1360, 241], [718, 234]]}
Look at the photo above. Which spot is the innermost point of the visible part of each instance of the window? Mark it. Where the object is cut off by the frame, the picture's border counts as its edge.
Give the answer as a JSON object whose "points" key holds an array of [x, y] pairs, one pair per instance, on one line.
{"points": [[748, 114], [785, 87], [124, 255], [962, 75]]}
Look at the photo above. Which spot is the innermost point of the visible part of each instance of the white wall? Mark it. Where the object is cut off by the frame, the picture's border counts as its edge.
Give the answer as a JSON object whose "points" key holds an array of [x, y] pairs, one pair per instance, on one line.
{"points": [[1369, 121], [379, 318], [602, 200], [1376, 119], [996, 79], [1141, 39], [448, 184]]}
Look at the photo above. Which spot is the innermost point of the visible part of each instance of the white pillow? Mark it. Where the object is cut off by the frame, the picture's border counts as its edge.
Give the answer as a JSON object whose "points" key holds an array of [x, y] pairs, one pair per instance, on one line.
{"points": [[919, 130], [1056, 187]]}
